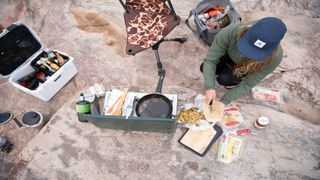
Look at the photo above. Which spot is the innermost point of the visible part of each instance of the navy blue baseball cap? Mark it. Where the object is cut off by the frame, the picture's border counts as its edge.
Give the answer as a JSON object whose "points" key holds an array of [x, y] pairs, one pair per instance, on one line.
{"points": [[262, 38]]}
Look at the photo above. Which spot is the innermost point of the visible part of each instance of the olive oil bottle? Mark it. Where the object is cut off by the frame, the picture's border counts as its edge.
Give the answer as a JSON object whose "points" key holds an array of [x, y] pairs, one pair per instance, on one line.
{"points": [[83, 107]]}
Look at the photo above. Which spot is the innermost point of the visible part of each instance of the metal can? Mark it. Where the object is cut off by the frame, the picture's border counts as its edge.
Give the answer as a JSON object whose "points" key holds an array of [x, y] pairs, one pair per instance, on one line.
{"points": [[261, 122]]}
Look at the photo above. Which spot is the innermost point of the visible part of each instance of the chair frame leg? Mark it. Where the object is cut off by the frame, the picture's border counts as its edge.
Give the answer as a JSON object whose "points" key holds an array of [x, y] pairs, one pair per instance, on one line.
{"points": [[161, 71], [171, 7], [124, 6]]}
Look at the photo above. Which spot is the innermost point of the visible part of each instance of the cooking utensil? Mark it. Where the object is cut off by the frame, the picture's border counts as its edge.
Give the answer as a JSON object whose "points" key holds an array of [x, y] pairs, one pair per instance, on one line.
{"points": [[118, 110], [115, 103], [154, 105]]}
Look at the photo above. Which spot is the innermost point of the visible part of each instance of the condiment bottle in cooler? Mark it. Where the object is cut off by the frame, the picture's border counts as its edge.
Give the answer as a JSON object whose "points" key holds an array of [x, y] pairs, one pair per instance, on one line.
{"points": [[53, 65], [60, 59]]}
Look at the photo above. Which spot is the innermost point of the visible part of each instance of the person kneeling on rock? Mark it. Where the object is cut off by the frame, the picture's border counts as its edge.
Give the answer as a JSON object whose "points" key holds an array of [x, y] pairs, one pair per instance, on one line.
{"points": [[241, 55]]}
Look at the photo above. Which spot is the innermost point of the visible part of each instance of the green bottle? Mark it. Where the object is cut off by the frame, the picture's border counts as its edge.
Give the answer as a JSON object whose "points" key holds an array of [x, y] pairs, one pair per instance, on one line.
{"points": [[83, 107]]}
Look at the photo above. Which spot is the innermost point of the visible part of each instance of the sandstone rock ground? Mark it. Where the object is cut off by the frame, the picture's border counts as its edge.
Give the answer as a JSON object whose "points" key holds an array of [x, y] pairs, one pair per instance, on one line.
{"points": [[71, 26]]}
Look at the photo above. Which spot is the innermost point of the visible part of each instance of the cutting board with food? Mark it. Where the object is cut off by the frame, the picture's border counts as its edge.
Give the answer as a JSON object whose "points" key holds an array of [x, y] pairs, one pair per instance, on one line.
{"points": [[200, 141]]}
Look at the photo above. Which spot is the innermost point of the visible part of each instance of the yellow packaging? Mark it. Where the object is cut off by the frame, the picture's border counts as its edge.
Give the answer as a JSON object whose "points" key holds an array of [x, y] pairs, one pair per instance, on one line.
{"points": [[229, 149]]}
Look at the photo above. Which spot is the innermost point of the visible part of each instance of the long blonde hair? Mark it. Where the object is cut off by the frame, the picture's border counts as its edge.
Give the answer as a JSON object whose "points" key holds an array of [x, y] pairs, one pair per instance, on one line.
{"points": [[249, 66]]}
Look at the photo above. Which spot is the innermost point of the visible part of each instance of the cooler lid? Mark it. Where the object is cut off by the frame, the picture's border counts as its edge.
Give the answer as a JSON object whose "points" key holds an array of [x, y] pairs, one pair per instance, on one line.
{"points": [[17, 44]]}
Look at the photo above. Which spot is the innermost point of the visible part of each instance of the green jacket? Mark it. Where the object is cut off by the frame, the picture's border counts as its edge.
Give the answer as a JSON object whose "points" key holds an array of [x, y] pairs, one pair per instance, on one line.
{"points": [[226, 42]]}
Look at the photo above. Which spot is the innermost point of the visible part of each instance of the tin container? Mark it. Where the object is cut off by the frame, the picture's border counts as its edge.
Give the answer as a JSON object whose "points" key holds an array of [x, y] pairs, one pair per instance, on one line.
{"points": [[261, 122], [32, 119]]}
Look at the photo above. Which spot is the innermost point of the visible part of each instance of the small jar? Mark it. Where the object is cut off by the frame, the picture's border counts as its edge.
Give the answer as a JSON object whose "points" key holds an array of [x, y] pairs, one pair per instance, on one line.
{"points": [[32, 119], [261, 122]]}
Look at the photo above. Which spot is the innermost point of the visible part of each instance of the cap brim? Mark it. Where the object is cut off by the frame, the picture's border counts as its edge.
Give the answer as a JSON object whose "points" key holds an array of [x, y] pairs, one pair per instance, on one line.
{"points": [[252, 52]]}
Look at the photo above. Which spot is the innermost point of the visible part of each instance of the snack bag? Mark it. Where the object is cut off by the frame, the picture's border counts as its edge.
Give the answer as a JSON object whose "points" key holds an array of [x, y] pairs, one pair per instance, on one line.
{"points": [[229, 149], [231, 118], [267, 94]]}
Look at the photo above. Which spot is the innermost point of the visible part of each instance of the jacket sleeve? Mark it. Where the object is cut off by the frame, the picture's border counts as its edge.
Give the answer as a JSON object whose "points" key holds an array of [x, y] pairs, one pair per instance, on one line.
{"points": [[218, 48], [248, 82]]}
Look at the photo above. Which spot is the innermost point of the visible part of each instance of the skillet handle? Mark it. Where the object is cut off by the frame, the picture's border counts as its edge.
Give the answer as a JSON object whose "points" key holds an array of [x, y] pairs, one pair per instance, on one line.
{"points": [[17, 122]]}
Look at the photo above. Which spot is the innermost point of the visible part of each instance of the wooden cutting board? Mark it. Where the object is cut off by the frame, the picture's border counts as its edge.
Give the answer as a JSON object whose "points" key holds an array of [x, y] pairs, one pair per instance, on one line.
{"points": [[198, 141], [214, 114]]}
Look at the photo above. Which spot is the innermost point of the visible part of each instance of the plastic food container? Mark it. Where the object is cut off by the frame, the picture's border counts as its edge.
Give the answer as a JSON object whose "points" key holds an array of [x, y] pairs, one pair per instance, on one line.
{"points": [[20, 48]]}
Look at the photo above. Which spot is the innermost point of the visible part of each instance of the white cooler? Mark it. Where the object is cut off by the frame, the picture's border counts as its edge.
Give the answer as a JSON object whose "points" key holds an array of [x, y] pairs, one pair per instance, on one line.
{"points": [[19, 46]]}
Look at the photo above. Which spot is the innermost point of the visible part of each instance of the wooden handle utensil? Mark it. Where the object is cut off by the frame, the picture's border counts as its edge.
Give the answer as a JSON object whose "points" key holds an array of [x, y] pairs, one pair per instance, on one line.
{"points": [[118, 110]]}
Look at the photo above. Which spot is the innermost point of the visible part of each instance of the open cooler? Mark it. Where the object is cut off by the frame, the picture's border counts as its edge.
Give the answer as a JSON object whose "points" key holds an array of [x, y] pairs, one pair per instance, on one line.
{"points": [[30, 66]]}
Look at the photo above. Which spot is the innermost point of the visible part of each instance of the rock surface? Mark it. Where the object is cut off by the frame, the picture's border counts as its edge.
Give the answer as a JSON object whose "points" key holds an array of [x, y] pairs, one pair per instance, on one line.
{"points": [[93, 32], [68, 149]]}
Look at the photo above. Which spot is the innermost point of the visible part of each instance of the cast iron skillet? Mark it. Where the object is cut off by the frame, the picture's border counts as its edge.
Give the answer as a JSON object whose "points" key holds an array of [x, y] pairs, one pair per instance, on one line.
{"points": [[154, 105]]}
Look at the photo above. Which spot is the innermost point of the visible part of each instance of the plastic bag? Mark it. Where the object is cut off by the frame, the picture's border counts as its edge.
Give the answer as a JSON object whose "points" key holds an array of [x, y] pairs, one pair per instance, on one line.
{"points": [[267, 94], [231, 118], [229, 149]]}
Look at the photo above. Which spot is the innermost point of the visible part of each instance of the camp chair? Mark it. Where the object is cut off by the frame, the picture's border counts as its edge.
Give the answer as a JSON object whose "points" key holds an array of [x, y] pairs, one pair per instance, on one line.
{"points": [[148, 22]]}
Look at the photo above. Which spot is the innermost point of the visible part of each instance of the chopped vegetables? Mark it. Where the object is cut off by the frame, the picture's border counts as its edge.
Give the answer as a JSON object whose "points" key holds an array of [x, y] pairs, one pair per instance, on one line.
{"points": [[190, 116]]}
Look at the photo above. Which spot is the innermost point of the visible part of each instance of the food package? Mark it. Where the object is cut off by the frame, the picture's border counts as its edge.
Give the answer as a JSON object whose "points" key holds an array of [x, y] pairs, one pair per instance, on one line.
{"points": [[267, 94], [111, 101], [229, 149], [231, 118]]}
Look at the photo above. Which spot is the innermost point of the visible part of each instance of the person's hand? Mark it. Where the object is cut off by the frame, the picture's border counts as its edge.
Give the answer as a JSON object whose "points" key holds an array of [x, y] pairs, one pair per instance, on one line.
{"points": [[210, 95]]}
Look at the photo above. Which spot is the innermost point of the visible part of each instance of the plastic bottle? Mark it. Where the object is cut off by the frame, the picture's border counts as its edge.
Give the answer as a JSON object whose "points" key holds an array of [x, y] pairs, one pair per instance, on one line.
{"points": [[53, 65], [83, 107], [60, 59]]}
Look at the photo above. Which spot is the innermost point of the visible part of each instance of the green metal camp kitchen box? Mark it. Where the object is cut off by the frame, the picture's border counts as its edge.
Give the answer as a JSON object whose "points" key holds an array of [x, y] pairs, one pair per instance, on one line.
{"points": [[132, 122]]}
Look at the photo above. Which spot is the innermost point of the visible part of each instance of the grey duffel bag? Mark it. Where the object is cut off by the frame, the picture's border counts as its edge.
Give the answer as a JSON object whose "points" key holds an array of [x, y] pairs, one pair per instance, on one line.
{"points": [[204, 28]]}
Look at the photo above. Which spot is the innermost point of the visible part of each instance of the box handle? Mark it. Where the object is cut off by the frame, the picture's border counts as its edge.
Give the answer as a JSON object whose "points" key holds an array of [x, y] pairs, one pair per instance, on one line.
{"points": [[11, 27], [57, 78]]}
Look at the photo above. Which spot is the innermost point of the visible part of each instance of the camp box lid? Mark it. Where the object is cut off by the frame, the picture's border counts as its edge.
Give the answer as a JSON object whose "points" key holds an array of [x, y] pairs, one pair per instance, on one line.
{"points": [[18, 45]]}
